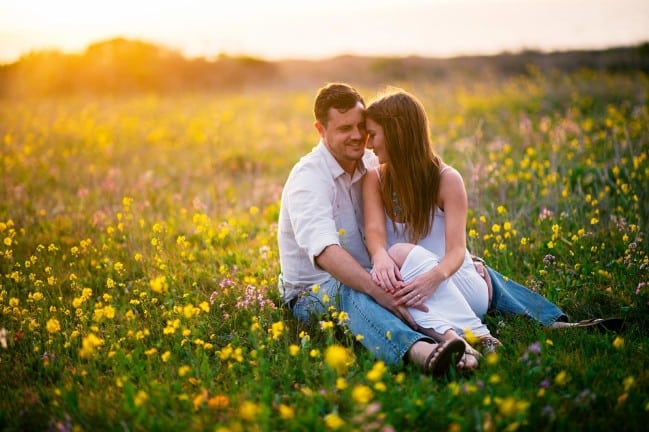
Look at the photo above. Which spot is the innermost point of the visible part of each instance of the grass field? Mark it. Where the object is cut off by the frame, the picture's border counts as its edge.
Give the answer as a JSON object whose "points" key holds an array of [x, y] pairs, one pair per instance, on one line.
{"points": [[138, 263]]}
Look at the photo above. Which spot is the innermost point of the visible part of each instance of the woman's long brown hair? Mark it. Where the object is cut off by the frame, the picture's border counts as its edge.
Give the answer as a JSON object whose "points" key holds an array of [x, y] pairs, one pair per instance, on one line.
{"points": [[412, 175]]}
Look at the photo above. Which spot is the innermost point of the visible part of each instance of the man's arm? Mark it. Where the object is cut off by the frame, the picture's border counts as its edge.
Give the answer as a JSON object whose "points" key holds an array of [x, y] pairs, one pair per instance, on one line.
{"points": [[341, 265]]}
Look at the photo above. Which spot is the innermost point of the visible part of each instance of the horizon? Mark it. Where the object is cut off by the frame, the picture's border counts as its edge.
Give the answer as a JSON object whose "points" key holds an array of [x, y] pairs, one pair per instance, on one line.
{"points": [[293, 30], [521, 51]]}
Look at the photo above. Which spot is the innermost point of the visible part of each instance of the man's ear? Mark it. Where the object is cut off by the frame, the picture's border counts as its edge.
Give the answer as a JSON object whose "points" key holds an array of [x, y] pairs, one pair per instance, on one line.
{"points": [[319, 127]]}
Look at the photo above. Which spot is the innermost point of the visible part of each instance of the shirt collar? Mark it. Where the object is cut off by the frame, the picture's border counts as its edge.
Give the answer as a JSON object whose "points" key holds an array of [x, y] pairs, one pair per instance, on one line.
{"points": [[335, 167]]}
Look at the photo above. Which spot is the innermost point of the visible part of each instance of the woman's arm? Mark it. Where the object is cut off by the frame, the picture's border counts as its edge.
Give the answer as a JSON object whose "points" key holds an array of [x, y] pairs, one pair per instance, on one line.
{"points": [[453, 200], [385, 272]]}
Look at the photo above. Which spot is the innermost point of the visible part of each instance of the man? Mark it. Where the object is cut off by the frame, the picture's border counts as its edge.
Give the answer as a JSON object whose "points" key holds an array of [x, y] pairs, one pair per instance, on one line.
{"points": [[321, 243]]}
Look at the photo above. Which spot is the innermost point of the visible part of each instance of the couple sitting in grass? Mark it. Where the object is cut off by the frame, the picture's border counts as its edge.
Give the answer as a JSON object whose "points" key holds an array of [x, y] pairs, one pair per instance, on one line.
{"points": [[402, 271]]}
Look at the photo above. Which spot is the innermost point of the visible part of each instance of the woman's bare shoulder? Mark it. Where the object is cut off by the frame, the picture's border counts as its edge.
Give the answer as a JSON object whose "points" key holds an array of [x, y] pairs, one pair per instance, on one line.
{"points": [[447, 171], [451, 181]]}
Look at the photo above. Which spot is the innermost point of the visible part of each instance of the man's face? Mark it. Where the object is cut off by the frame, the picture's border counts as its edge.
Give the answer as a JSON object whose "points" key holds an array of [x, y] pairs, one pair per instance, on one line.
{"points": [[344, 135]]}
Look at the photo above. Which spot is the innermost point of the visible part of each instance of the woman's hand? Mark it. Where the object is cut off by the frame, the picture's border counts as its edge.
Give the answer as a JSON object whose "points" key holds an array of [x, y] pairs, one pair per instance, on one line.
{"points": [[414, 292], [385, 272]]}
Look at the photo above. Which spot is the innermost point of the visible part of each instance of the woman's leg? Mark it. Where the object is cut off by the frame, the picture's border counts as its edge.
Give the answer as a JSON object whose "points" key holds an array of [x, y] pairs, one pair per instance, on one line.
{"points": [[448, 309], [399, 252]]}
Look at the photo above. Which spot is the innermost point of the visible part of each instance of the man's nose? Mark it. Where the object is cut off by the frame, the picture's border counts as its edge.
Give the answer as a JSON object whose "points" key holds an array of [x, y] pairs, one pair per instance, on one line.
{"points": [[358, 134]]}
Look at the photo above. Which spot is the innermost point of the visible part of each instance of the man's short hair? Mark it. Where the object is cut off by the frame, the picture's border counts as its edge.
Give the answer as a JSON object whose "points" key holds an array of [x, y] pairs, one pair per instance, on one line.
{"points": [[340, 96]]}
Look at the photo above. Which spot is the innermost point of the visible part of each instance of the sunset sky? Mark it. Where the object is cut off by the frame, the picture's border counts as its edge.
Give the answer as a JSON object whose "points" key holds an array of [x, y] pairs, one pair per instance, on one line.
{"points": [[277, 29]]}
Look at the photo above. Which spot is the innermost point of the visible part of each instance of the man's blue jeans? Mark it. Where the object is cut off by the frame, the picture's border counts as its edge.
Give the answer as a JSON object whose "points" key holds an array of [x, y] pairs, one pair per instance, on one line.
{"points": [[389, 338], [510, 297], [380, 331]]}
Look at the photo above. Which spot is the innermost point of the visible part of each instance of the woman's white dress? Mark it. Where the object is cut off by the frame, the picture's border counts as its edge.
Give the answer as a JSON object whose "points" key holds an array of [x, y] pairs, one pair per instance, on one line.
{"points": [[460, 301]]}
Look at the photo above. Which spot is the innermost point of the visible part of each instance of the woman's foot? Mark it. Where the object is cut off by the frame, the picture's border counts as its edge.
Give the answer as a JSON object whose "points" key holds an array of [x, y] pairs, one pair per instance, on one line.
{"points": [[470, 359], [436, 359], [489, 344]]}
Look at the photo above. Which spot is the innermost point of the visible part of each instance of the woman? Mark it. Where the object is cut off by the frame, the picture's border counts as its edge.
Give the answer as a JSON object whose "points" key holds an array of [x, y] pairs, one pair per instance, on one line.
{"points": [[413, 197]]}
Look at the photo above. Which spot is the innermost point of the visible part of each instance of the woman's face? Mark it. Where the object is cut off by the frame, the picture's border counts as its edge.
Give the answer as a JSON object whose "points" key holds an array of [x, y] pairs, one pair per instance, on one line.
{"points": [[376, 140]]}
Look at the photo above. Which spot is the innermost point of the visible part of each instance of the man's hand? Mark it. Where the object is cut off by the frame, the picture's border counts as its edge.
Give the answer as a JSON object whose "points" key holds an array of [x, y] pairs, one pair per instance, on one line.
{"points": [[387, 301], [481, 268], [340, 264]]}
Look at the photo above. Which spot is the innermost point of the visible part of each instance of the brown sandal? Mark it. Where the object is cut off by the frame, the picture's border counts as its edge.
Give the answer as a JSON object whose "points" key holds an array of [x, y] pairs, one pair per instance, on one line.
{"points": [[490, 344], [470, 351], [440, 360]]}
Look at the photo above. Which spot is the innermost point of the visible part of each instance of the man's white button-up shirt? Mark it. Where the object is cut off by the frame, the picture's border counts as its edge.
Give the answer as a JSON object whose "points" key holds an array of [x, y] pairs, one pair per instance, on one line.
{"points": [[321, 206]]}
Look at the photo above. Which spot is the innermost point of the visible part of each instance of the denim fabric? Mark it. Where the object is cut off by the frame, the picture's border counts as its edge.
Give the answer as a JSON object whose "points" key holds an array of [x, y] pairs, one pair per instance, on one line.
{"points": [[510, 297], [381, 332]]}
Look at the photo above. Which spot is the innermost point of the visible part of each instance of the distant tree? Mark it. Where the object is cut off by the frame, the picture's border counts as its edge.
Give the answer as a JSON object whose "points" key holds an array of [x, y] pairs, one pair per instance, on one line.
{"points": [[121, 65]]}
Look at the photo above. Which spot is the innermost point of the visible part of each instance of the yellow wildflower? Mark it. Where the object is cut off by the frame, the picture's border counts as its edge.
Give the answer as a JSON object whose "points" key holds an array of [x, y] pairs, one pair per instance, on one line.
{"points": [[510, 406], [249, 410], [562, 378], [158, 285], [53, 325], [337, 358], [618, 342], [377, 371], [286, 412], [140, 398], [333, 421], [88, 345], [470, 337], [109, 312], [277, 329], [362, 394]]}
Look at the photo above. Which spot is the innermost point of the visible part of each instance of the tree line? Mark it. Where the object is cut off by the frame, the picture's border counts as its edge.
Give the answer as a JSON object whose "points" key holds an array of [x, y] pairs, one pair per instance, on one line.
{"points": [[122, 66], [119, 66]]}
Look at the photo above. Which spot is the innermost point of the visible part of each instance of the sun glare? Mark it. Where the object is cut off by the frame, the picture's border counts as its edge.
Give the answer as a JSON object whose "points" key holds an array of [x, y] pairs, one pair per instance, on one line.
{"points": [[307, 29]]}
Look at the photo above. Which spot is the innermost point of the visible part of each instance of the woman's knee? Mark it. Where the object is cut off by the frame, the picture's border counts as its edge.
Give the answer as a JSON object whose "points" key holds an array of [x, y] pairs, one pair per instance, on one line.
{"points": [[399, 251]]}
